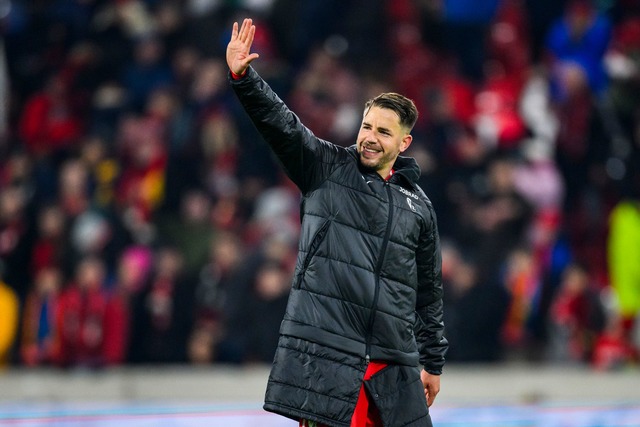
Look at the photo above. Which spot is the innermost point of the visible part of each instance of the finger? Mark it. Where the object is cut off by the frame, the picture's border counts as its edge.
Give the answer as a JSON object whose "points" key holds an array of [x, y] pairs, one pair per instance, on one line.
{"points": [[234, 31], [252, 33], [244, 31], [241, 31], [431, 397]]}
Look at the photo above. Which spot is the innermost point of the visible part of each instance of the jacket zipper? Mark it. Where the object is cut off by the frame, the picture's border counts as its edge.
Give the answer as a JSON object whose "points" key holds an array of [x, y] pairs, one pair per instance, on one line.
{"points": [[383, 251]]}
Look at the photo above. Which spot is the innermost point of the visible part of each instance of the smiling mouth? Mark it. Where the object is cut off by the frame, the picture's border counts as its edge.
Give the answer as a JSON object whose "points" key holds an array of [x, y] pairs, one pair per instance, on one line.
{"points": [[370, 150]]}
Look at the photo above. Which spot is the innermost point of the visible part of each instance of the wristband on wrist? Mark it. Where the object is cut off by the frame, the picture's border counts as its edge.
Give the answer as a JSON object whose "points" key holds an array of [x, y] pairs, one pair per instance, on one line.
{"points": [[235, 76]]}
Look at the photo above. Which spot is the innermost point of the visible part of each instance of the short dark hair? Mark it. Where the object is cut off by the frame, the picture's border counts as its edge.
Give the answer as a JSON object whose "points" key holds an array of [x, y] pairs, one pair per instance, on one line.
{"points": [[400, 104]]}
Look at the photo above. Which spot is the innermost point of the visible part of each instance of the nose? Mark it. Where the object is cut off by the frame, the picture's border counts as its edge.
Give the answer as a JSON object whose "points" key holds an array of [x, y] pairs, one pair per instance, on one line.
{"points": [[370, 137]]}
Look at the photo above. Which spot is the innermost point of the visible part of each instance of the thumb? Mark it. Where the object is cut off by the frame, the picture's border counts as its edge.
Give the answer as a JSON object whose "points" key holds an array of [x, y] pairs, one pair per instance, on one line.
{"points": [[251, 58], [243, 64]]}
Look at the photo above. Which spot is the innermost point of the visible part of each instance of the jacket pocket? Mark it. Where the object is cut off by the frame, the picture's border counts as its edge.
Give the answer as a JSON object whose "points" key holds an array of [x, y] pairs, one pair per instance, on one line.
{"points": [[317, 239]]}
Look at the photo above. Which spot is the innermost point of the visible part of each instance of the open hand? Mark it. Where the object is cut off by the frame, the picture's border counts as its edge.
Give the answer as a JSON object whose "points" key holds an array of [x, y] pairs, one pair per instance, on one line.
{"points": [[239, 54]]}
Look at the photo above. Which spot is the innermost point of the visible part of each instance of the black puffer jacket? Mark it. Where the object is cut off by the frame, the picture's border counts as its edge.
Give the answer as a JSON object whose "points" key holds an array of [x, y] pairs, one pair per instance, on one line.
{"points": [[367, 283]]}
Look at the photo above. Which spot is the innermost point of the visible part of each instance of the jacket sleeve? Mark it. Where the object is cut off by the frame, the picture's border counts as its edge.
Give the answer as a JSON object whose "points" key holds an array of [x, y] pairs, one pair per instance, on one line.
{"points": [[429, 327], [306, 159]]}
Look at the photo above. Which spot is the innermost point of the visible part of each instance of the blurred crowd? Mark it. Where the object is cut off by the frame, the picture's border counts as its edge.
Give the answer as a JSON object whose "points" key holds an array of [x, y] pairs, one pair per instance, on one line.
{"points": [[142, 219]]}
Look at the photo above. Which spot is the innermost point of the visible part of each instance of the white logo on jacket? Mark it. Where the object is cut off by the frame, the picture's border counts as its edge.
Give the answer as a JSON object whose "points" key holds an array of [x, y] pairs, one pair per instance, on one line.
{"points": [[408, 193], [413, 208]]}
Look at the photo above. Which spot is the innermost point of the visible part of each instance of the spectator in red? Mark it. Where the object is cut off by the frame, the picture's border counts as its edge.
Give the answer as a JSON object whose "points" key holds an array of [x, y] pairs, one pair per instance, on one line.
{"points": [[50, 247], [38, 319], [48, 123], [80, 317], [497, 120], [577, 317], [522, 281], [508, 42], [144, 152], [612, 349]]}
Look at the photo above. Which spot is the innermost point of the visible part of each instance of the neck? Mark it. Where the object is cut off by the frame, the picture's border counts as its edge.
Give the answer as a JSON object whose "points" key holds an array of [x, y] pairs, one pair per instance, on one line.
{"points": [[386, 173]]}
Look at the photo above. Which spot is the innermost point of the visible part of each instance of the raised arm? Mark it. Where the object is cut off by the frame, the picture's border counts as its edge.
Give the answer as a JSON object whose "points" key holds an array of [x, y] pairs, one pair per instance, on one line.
{"points": [[306, 159]]}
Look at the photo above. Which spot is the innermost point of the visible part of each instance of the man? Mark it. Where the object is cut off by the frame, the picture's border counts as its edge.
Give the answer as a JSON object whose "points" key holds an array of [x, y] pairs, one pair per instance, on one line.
{"points": [[365, 308]]}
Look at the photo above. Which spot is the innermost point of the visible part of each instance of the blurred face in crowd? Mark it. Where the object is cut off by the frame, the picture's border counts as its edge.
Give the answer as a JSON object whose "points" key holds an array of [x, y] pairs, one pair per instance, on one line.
{"points": [[148, 51], [12, 203], [500, 176], [226, 251], [74, 178], [51, 222], [184, 63], [133, 267], [579, 17], [195, 207], [48, 281], [90, 274], [210, 79], [161, 104], [381, 139], [575, 280], [168, 263], [271, 282]]}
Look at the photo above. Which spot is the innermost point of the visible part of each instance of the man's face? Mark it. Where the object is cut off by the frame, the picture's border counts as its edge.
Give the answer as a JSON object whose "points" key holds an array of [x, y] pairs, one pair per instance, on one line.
{"points": [[381, 139]]}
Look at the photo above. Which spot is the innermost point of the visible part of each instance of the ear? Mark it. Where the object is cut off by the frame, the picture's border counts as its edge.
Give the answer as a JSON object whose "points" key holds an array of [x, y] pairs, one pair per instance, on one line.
{"points": [[406, 142]]}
